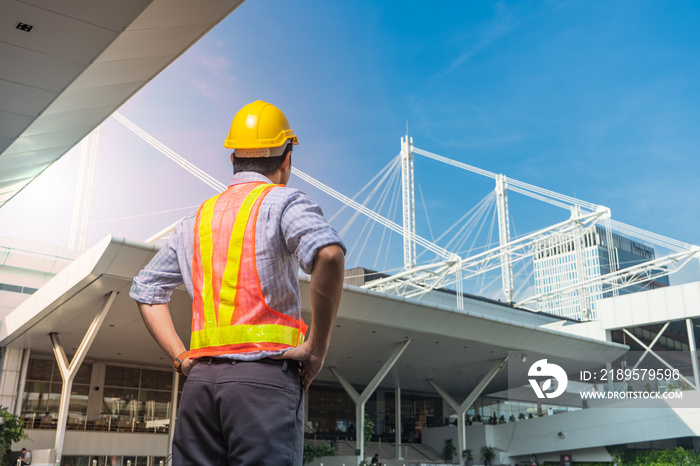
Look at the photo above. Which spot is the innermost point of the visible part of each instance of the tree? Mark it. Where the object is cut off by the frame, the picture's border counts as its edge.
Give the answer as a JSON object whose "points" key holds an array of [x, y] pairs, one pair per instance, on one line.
{"points": [[10, 431]]}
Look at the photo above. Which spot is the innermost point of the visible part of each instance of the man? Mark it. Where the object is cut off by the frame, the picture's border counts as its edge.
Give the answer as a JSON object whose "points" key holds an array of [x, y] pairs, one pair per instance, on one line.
{"points": [[239, 256], [25, 457]]}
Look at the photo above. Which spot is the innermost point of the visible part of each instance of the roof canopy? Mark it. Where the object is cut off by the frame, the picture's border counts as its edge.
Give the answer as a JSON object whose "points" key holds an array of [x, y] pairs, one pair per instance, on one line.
{"points": [[455, 348], [66, 66]]}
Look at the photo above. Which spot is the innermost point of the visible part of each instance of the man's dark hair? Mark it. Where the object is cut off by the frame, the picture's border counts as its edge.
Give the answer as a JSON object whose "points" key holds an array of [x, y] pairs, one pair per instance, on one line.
{"points": [[263, 165]]}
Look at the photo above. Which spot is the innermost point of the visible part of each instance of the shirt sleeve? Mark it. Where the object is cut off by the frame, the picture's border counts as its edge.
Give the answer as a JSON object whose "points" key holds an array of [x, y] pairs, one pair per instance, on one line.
{"points": [[155, 283], [306, 230]]}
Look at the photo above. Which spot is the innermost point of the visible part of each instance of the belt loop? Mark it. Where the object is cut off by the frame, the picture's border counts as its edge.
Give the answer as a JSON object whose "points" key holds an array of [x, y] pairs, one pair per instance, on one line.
{"points": [[211, 360], [285, 364]]}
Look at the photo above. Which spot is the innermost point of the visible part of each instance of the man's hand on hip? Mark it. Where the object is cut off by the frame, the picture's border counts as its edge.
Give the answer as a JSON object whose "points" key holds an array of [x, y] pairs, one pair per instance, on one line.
{"points": [[311, 364]]}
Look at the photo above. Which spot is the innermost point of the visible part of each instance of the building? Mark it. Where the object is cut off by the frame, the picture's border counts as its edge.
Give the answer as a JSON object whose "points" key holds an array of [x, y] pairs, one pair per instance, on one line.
{"points": [[422, 371], [556, 263]]}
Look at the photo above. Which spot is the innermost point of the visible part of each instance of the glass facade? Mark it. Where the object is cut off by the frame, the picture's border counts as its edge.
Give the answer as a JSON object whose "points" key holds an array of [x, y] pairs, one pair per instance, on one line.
{"points": [[42, 394], [112, 460], [331, 415], [136, 399], [128, 399], [556, 268]]}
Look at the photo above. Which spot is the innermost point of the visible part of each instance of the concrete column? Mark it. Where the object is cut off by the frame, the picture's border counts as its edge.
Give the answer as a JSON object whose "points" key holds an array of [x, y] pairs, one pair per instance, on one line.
{"points": [[397, 415], [173, 415], [693, 351], [97, 383], [11, 382], [22, 380]]}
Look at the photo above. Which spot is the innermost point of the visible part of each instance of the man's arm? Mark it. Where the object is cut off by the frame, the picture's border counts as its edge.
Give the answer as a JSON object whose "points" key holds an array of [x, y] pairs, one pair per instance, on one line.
{"points": [[326, 287], [160, 326]]}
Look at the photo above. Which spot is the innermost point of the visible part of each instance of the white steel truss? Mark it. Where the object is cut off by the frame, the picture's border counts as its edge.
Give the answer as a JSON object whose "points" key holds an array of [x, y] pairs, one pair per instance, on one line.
{"points": [[451, 269], [419, 280]]}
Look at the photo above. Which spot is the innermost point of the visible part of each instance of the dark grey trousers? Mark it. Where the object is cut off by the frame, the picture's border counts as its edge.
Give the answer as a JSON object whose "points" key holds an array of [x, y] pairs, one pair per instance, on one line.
{"points": [[240, 414]]}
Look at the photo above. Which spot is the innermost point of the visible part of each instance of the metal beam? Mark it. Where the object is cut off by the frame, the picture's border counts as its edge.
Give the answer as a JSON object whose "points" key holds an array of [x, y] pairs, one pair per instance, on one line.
{"points": [[650, 351]]}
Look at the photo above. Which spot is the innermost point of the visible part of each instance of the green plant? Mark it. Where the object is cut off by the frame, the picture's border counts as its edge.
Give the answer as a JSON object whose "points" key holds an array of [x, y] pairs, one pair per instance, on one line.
{"points": [[11, 430], [369, 429], [324, 449], [311, 452], [467, 454], [448, 450], [487, 453], [672, 457]]}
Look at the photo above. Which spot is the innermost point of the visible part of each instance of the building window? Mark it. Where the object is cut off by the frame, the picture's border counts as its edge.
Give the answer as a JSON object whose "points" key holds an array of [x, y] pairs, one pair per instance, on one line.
{"points": [[136, 400], [42, 394]]}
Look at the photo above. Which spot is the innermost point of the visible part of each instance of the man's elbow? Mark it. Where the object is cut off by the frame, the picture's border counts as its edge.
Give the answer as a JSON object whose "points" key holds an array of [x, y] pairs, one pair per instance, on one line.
{"points": [[330, 258]]}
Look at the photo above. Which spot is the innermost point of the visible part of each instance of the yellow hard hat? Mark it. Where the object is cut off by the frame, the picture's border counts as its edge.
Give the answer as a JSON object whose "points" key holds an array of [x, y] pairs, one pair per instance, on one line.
{"points": [[259, 125]]}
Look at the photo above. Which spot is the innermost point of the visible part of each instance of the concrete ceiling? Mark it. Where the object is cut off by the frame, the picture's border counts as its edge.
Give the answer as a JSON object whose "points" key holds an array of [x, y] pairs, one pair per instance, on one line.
{"points": [[81, 61], [454, 348]]}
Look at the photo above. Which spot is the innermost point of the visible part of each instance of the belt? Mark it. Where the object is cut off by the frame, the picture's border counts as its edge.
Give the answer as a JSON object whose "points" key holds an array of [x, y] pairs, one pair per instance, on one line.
{"points": [[292, 363]]}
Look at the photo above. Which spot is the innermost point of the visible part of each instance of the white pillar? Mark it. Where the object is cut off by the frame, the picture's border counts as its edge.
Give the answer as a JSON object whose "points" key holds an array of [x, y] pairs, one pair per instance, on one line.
{"points": [[397, 414], [173, 416], [693, 351], [69, 370], [504, 236], [409, 203], [361, 399]]}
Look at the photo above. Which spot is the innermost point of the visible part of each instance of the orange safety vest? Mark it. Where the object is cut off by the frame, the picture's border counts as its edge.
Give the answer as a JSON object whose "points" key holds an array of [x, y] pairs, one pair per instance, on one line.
{"points": [[229, 312]]}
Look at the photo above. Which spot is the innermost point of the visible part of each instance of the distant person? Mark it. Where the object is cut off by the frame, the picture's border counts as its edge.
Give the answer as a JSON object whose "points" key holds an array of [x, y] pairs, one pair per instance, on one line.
{"points": [[25, 457], [534, 461], [375, 459]]}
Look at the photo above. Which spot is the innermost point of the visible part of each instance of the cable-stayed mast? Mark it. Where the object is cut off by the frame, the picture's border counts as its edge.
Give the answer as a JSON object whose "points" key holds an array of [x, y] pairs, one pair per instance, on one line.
{"points": [[409, 203], [504, 236]]}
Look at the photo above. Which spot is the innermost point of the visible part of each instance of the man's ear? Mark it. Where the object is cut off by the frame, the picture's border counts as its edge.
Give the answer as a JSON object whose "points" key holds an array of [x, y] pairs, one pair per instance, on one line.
{"points": [[287, 160], [232, 154]]}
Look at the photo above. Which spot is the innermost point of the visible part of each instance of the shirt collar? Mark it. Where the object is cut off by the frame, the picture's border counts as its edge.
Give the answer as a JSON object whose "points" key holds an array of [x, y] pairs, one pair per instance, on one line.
{"points": [[247, 177]]}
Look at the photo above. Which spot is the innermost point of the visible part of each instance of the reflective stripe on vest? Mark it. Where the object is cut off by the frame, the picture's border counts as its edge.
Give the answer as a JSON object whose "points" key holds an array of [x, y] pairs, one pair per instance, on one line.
{"points": [[229, 313]]}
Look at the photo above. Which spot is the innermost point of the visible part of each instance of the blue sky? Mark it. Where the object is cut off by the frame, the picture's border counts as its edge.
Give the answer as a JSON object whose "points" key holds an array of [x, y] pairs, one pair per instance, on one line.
{"points": [[594, 99]]}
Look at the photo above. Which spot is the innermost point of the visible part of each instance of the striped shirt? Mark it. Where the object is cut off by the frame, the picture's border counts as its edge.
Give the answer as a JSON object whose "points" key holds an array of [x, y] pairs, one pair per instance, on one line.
{"points": [[290, 229]]}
